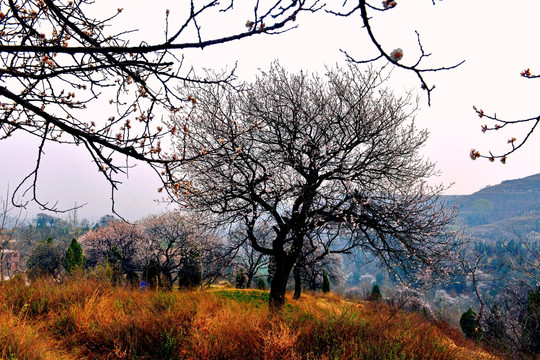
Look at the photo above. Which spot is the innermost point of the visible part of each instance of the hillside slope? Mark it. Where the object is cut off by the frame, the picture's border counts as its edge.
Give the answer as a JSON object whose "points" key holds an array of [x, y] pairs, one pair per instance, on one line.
{"points": [[502, 210], [89, 319]]}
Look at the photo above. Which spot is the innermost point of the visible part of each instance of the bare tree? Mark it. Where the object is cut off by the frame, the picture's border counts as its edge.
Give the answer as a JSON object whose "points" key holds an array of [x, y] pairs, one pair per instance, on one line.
{"points": [[246, 257], [303, 154], [317, 256], [167, 237], [174, 240], [309, 271], [213, 254], [503, 275]]}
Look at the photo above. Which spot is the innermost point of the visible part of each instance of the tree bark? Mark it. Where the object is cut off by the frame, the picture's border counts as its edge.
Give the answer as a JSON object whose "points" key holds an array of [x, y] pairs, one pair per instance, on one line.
{"points": [[297, 283], [279, 283], [249, 275]]}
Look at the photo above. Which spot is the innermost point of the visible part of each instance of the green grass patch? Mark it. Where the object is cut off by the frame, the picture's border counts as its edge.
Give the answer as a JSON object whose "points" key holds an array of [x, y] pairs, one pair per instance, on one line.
{"points": [[255, 298]]}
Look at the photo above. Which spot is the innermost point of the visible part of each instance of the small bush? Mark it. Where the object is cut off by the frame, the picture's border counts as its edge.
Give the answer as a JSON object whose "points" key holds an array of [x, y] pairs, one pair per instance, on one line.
{"points": [[469, 324], [45, 260], [241, 279], [261, 284], [325, 282]]}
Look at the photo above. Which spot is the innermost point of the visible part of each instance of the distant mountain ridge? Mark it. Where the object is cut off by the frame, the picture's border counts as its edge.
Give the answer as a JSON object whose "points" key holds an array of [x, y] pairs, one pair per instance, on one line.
{"points": [[526, 184], [512, 206]]}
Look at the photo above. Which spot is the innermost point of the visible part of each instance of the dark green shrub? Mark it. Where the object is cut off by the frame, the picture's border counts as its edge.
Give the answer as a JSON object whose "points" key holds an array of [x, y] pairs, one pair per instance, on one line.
{"points": [[151, 272], [241, 279], [325, 282], [132, 278], [261, 284], [469, 324], [45, 259], [189, 274], [376, 293]]}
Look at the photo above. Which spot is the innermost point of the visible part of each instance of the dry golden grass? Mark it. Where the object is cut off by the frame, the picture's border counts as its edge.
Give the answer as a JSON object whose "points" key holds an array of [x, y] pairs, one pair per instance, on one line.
{"points": [[87, 318]]}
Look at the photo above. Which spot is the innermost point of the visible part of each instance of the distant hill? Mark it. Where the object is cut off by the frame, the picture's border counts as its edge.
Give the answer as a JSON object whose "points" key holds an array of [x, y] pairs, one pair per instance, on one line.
{"points": [[502, 210]]}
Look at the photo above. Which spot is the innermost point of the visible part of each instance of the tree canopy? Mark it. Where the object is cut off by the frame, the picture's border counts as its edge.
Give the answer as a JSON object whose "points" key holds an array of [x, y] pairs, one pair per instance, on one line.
{"points": [[337, 156]]}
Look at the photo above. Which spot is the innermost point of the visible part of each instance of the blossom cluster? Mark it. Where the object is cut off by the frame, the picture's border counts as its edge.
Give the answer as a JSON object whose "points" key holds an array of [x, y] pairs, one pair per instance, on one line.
{"points": [[387, 4], [474, 154], [396, 54], [250, 24], [526, 73]]}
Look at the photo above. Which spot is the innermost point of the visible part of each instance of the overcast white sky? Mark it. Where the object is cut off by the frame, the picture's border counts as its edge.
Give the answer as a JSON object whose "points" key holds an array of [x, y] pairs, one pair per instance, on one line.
{"points": [[497, 40]]}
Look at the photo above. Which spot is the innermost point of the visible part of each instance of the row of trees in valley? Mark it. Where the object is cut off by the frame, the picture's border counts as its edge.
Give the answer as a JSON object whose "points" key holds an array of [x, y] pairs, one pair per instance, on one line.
{"points": [[167, 250]]}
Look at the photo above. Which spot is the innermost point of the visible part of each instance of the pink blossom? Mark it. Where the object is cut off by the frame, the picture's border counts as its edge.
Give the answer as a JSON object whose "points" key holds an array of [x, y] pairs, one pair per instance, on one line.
{"points": [[396, 54]]}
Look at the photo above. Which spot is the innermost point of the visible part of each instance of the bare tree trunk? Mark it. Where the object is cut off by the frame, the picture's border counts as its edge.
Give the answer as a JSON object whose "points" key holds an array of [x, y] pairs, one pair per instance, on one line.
{"points": [[249, 276], [297, 282], [1, 264], [279, 283], [475, 284]]}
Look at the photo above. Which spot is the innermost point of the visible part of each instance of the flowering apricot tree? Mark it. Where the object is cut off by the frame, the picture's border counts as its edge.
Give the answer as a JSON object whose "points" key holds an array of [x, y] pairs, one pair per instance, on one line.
{"points": [[117, 243], [302, 154]]}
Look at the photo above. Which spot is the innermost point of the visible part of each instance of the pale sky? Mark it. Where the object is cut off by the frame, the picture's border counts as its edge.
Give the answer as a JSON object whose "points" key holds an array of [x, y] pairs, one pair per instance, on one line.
{"points": [[497, 40]]}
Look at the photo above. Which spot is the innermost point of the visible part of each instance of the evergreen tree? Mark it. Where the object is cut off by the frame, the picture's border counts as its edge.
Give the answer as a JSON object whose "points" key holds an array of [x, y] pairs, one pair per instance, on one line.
{"points": [[376, 293], [325, 282], [74, 258]]}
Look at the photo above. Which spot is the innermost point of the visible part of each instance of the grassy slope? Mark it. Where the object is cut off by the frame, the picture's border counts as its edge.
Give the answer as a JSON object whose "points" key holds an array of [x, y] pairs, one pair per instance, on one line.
{"points": [[87, 319]]}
